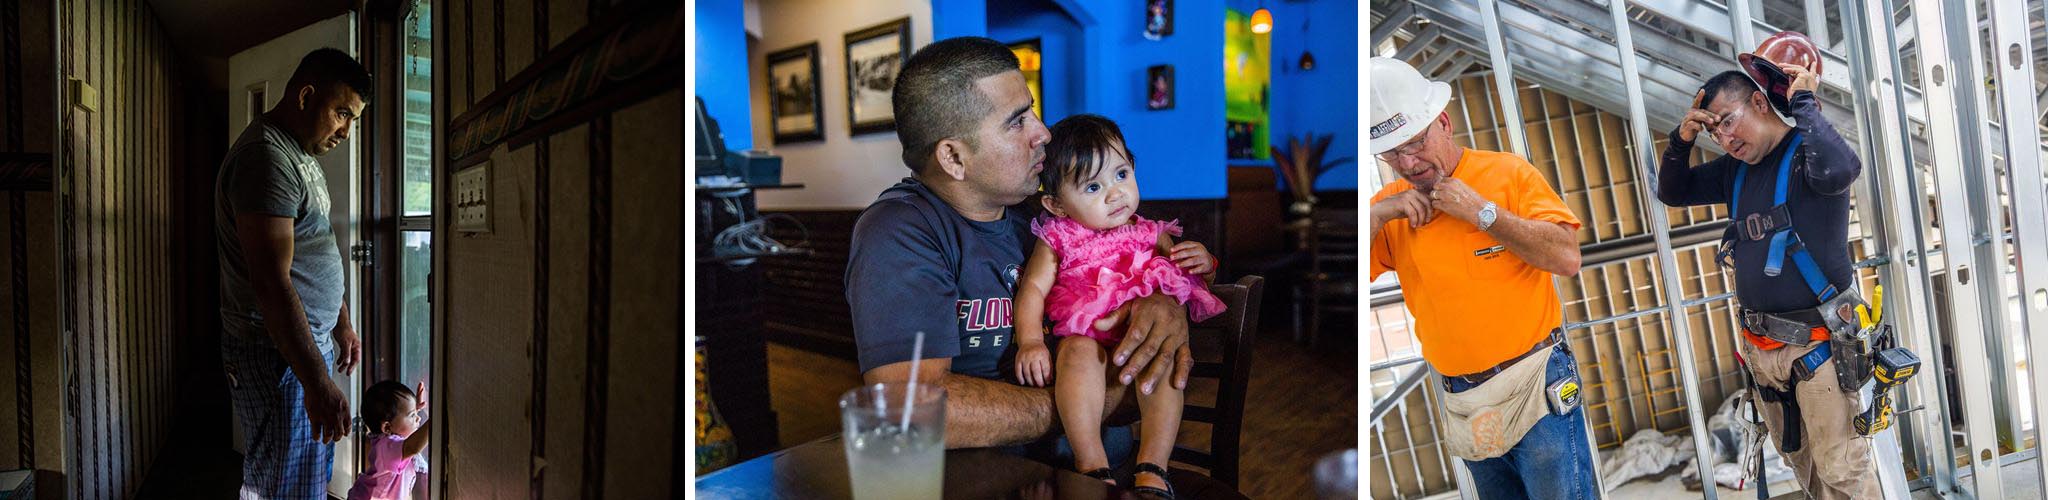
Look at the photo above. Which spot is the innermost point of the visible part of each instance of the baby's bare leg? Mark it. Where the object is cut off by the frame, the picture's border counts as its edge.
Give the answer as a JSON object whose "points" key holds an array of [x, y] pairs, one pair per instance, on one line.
{"points": [[1077, 393], [1158, 428]]}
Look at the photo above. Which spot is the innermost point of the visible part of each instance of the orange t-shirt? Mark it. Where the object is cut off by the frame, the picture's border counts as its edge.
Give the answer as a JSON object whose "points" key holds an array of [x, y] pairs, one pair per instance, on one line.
{"points": [[1475, 303]]}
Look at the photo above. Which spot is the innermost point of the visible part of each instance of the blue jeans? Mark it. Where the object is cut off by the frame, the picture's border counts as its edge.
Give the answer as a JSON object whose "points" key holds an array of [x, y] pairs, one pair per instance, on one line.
{"points": [[1118, 444], [1554, 461]]}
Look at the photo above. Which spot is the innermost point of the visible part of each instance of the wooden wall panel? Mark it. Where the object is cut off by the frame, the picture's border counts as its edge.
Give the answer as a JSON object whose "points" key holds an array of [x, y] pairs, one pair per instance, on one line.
{"points": [[31, 429], [569, 300], [646, 322], [117, 215], [459, 56], [564, 18], [490, 277], [568, 310]]}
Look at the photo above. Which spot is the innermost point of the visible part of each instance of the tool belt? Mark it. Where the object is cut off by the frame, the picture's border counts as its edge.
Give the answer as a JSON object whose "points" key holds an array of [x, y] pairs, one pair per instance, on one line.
{"points": [[1556, 337], [1837, 314]]}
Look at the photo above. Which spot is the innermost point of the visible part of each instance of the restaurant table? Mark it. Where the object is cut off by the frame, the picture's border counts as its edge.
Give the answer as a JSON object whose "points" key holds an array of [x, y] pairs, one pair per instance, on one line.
{"points": [[818, 470]]}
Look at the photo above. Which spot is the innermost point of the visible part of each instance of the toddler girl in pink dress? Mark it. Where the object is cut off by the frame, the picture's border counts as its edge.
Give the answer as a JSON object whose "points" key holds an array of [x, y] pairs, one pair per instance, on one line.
{"points": [[398, 416], [1095, 254]]}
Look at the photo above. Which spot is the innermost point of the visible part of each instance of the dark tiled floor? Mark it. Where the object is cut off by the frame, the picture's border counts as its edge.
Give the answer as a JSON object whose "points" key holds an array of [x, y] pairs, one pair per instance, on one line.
{"points": [[198, 462], [1303, 403]]}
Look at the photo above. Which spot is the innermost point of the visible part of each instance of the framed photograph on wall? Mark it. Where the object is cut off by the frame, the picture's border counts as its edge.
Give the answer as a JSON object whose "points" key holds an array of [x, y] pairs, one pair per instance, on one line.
{"points": [[794, 109], [873, 56], [1158, 19], [1159, 87]]}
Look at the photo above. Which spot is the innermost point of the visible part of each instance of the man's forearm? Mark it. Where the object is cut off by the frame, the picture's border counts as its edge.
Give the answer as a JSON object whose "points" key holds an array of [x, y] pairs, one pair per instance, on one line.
{"points": [[284, 318], [982, 413], [1543, 244]]}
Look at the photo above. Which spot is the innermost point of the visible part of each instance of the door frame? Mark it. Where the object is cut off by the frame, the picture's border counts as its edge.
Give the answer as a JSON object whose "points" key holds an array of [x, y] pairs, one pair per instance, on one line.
{"points": [[383, 185]]}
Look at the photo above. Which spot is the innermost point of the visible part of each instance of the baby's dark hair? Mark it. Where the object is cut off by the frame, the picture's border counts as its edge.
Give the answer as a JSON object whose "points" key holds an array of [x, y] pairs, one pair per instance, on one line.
{"points": [[1080, 145], [383, 403]]}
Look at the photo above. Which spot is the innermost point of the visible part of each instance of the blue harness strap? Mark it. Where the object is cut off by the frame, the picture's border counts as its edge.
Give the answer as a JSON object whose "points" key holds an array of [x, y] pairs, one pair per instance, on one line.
{"points": [[1785, 241], [1818, 355]]}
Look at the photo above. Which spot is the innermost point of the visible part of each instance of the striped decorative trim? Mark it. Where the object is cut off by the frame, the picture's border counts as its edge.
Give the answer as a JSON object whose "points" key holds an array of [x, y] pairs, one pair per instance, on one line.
{"points": [[685, 351], [598, 377], [542, 196], [540, 29], [24, 172], [498, 49], [24, 398], [469, 47], [540, 311], [628, 56], [10, 23]]}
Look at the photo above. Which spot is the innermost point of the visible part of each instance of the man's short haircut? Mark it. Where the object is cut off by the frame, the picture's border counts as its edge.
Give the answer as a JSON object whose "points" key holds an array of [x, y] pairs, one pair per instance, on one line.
{"points": [[383, 403], [935, 97], [1081, 145], [1733, 83], [325, 67]]}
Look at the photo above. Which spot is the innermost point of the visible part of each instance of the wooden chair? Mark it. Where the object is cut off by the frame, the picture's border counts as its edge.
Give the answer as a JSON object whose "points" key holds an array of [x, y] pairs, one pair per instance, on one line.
{"points": [[1333, 270], [1231, 334]]}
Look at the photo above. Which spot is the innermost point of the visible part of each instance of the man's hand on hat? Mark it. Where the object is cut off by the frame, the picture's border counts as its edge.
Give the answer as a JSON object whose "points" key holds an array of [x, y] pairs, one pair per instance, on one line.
{"points": [[1456, 199], [1410, 204], [1801, 79]]}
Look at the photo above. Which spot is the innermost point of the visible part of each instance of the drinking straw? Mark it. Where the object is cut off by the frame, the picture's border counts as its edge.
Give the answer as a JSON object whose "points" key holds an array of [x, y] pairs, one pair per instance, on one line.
{"points": [[910, 394]]}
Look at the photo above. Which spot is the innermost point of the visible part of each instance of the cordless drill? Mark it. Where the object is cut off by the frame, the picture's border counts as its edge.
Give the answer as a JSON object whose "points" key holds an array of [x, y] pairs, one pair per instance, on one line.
{"points": [[1890, 367]]}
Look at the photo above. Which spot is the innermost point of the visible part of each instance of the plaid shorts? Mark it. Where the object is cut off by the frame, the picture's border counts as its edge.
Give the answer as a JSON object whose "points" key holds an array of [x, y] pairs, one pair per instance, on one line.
{"points": [[284, 460]]}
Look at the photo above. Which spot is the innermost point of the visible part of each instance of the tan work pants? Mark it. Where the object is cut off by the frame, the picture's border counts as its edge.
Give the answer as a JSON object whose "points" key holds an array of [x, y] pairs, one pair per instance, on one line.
{"points": [[1834, 461]]}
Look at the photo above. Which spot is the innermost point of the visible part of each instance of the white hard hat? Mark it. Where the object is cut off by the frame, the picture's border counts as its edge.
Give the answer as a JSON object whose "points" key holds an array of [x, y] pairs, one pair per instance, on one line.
{"points": [[1403, 102]]}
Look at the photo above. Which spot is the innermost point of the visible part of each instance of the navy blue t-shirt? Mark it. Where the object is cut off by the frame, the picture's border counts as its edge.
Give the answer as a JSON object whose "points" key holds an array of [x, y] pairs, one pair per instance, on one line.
{"points": [[915, 264], [1818, 196]]}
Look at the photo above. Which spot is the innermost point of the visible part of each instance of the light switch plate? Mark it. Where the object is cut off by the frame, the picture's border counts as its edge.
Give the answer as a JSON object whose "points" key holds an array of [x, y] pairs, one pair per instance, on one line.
{"points": [[473, 199], [84, 96]]}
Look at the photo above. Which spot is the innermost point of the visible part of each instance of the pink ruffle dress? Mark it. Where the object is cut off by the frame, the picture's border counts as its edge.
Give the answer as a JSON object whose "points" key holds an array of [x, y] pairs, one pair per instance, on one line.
{"points": [[1101, 270]]}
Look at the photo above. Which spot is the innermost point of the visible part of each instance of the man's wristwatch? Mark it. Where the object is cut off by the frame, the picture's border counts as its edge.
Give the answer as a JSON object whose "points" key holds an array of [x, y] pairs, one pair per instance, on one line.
{"points": [[1487, 215]]}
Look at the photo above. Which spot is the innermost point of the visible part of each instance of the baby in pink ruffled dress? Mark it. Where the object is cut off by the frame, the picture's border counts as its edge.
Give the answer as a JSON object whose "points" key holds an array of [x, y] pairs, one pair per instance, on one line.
{"points": [[1095, 254], [398, 417]]}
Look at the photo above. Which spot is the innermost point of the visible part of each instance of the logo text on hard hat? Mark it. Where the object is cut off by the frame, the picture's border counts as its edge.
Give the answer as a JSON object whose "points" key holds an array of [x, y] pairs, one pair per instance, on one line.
{"points": [[1389, 126]]}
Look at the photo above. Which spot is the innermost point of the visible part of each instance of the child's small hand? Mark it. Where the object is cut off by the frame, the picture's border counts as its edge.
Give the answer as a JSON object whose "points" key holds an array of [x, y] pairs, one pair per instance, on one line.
{"points": [[421, 390], [1034, 363], [1193, 257]]}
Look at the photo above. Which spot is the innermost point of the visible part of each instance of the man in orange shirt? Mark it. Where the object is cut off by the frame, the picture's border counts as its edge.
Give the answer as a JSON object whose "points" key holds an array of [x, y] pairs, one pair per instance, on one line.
{"points": [[1475, 237]]}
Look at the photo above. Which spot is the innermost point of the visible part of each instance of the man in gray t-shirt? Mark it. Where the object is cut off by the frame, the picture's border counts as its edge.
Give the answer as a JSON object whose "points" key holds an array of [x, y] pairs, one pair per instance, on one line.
{"points": [[281, 281]]}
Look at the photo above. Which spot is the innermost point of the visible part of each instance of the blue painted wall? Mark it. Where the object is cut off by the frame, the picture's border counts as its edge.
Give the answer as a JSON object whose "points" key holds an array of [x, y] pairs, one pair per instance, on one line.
{"points": [[1323, 100], [1180, 150], [1059, 38], [958, 18], [722, 73]]}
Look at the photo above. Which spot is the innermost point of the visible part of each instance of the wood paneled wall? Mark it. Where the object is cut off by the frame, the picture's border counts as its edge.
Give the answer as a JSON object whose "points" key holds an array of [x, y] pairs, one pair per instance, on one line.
{"points": [[31, 395], [561, 327], [123, 225]]}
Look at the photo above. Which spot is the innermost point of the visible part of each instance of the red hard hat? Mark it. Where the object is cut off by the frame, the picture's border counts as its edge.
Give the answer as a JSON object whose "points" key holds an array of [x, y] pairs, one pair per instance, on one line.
{"points": [[1786, 47]]}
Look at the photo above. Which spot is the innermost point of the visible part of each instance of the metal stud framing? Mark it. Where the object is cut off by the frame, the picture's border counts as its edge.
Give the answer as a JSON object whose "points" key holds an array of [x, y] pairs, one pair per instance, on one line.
{"points": [[1503, 74], [1938, 79], [1946, 122], [1674, 296], [2014, 62]]}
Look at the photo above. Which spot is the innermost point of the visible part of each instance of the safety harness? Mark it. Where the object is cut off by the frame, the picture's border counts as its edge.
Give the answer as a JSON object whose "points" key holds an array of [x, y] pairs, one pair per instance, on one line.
{"points": [[1776, 223], [1836, 309]]}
